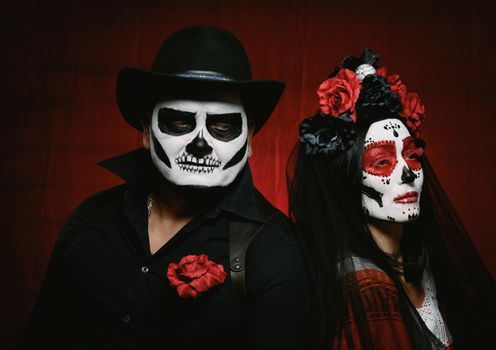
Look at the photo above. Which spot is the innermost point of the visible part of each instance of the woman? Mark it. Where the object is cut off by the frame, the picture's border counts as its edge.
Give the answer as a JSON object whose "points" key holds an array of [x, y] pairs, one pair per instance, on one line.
{"points": [[391, 264]]}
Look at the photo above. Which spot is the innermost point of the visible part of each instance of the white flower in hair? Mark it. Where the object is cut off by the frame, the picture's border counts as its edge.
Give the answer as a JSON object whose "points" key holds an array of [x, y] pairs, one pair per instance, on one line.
{"points": [[363, 70]]}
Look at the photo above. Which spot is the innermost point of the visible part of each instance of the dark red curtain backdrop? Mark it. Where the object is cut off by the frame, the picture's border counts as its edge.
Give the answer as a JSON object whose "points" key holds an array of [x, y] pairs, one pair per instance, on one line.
{"points": [[59, 60]]}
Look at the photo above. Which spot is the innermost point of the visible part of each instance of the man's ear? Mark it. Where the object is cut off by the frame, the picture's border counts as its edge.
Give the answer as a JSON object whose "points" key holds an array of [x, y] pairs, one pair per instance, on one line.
{"points": [[251, 129], [146, 134]]}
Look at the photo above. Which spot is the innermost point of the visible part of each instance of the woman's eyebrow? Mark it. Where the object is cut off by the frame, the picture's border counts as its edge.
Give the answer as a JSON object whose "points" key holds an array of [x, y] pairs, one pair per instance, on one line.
{"points": [[380, 144]]}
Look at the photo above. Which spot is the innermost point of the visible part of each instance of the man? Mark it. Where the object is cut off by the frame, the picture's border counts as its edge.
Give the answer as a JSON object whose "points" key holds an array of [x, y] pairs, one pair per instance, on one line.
{"points": [[163, 260]]}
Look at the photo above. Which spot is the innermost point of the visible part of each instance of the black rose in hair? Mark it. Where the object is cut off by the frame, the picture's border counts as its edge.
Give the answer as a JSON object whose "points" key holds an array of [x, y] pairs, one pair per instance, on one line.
{"points": [[322, 134], [376, 100]]}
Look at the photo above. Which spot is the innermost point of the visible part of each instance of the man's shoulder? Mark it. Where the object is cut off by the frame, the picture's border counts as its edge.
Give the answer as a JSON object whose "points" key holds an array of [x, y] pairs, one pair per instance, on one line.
{"points": [[274, 259], [277, 228], [275, 243], [92, 209], [101, 202]]}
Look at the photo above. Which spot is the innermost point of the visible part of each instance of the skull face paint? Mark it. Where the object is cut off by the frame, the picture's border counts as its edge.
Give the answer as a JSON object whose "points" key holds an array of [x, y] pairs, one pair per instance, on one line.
{"points": [[392, 175], [199, 143]]}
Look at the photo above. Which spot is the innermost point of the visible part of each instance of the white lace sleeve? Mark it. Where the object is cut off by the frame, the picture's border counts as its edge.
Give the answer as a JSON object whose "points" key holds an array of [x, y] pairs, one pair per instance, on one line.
{"points": [[429, 311]]}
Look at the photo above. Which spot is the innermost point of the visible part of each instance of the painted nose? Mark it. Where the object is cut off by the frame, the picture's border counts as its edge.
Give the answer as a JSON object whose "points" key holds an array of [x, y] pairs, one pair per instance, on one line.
{"points": [[199, 146], [407, 175]]}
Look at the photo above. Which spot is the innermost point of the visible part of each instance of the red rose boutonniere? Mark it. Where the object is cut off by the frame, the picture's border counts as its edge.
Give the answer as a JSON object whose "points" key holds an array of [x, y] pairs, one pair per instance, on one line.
{"points": [[339, 94], [195, 274]]}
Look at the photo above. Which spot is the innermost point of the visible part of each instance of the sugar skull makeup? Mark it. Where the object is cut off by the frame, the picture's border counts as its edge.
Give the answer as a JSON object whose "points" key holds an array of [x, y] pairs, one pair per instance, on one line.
{"points": [[199, 143], [392, 172]]}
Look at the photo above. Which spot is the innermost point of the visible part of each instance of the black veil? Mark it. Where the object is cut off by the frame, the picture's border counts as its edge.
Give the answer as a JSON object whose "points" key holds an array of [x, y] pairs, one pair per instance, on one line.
{"points": [[324, 176], [324, 195]]}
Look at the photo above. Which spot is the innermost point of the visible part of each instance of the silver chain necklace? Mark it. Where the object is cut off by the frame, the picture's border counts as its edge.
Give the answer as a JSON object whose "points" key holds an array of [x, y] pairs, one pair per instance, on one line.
{"points": [[149, 204]]}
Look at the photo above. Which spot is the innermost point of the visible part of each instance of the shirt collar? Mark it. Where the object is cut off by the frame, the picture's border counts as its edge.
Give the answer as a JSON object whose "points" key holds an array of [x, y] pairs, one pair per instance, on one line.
{"points": [[136, 168], [131, 167]]}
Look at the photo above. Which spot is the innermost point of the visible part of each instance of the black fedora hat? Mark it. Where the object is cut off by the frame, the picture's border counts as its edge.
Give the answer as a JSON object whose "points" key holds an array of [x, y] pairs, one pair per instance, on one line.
{"points": [[199, 56]]}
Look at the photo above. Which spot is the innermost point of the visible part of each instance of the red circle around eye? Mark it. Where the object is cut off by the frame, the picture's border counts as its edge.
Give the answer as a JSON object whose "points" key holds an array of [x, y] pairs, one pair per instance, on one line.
{"points": [[413, 164], [379, 158], [412, 153]]}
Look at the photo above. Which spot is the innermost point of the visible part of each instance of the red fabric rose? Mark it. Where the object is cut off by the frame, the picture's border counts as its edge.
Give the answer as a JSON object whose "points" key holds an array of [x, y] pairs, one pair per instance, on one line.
{"points": [[339, 94], [413, 111], [398, 87], [382, 72], [195, 274]]}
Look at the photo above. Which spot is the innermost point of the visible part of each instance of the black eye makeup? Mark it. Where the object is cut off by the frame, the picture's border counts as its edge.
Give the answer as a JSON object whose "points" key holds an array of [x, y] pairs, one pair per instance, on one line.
{"points": [[175, 122], [225, 127]]}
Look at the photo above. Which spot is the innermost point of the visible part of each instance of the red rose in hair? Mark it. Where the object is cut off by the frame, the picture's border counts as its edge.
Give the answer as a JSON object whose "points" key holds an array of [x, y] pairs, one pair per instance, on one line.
{"points": [[195, 274], [413, 111], [382, 72], [398, 87], [339, 94]]}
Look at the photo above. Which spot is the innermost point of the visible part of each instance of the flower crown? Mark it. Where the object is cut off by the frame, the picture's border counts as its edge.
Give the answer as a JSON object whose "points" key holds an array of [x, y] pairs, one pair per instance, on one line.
{"points": [[333, 128]]}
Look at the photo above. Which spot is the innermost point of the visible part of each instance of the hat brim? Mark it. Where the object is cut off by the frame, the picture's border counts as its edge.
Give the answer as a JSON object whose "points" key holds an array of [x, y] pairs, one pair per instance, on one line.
{"points": [[138, 90]]}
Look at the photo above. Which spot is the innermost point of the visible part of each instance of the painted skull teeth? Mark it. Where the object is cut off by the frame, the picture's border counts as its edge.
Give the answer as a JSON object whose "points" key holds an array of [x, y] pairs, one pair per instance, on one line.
{"points": [[196, 169], [192, 164]]}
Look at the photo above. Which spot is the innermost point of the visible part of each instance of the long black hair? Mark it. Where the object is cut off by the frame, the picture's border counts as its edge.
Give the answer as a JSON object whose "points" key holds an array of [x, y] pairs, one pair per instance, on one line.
{"points": [[325, 192]]}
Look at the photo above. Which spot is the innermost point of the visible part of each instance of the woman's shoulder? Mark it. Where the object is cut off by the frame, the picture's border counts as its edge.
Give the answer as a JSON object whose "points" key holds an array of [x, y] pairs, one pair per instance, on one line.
{"points": [[363, 271], [376, 290]]}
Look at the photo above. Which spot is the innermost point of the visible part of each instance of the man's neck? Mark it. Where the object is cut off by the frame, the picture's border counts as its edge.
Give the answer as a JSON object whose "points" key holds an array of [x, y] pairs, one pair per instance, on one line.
{"points": [[179, 202], [172, 207]]}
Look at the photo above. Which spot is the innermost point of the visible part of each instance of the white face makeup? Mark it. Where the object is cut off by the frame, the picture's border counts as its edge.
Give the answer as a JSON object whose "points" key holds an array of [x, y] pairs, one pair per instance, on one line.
{"points": [[199, 143], [392, 173]]}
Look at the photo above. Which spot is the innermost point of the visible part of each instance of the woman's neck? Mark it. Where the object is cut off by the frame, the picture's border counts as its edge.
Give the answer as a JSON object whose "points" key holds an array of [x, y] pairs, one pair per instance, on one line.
{"points": [[388, 236]]}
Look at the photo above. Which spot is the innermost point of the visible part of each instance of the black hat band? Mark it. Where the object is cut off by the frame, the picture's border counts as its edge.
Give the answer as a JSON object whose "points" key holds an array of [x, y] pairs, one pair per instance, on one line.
{"points": [[204, 75]]}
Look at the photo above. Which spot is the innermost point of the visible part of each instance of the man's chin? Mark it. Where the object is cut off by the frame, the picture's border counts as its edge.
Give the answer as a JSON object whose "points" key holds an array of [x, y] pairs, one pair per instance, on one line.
{"points": [[199, 183], [202, 188], [194, 190]]}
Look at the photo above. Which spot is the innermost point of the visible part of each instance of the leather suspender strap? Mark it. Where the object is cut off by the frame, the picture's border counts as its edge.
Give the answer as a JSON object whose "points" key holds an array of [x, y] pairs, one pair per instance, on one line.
{"points": [[241, 233]]}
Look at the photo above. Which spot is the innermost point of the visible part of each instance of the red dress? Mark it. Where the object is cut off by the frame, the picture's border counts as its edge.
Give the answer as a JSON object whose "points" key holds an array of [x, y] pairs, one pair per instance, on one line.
{"points": [[379, 297]]}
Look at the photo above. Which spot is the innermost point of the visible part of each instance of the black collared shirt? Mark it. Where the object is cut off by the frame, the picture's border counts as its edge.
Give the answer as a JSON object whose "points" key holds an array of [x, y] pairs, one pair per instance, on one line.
{"points": [[104, 289]]}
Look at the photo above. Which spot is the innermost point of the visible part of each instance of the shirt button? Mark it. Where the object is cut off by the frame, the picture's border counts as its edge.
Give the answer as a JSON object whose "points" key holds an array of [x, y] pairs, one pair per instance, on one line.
{"points": [[126, 318], [144, 269]]}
